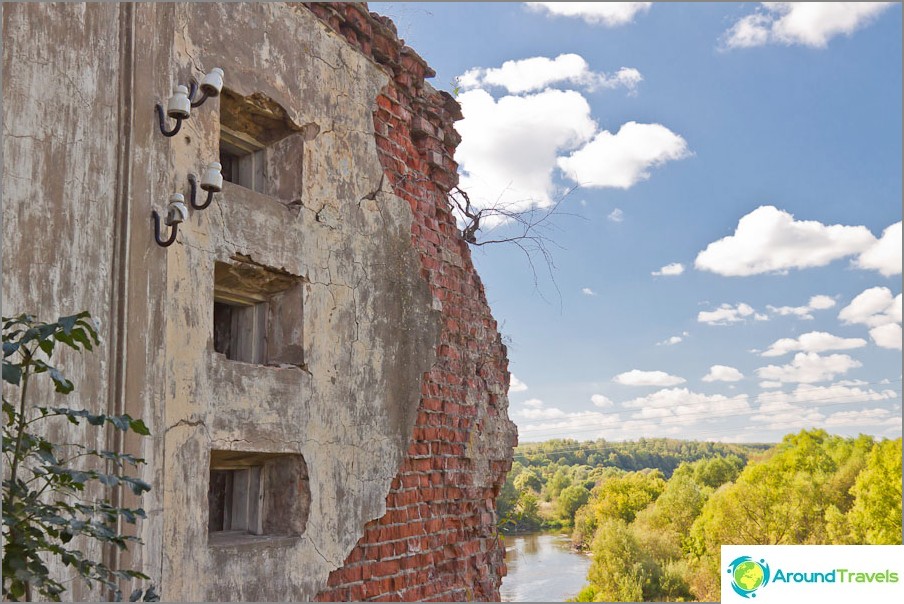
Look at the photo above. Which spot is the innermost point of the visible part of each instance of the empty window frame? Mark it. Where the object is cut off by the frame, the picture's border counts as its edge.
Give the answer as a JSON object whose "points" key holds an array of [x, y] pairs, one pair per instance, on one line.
{"points": [[261, 149], [242, 159], [257, 315], [240, 326], [252, 493]]}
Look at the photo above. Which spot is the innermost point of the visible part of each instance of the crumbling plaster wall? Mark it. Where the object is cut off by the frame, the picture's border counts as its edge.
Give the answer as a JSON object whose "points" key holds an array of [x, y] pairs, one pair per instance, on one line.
{"points": [[59, 183], [369, 325], [400, 407]]}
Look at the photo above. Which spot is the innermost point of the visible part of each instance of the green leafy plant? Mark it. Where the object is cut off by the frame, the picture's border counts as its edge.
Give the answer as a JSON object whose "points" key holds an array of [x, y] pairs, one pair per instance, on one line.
{"points": [[51, 504]]}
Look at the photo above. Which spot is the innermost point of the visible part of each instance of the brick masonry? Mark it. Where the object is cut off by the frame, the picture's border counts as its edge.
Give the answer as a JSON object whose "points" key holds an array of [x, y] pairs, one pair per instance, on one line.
{"points": [[438, 538]]}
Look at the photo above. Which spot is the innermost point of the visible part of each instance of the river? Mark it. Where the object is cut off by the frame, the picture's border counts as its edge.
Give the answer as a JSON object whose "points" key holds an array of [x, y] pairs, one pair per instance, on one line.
{"points": [[542, 567]]}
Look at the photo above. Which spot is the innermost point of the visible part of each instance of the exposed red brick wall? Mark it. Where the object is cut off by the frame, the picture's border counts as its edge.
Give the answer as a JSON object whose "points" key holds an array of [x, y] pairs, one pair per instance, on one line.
{"points": [[438, 539]]}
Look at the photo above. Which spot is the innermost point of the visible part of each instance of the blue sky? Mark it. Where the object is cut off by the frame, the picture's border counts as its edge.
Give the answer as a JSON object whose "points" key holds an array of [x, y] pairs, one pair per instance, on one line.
{"points": [[758, 147]]}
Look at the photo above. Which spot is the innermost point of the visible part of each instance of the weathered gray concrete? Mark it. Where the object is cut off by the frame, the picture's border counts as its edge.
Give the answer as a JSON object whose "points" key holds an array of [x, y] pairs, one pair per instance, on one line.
{"points": [[84, 165]]}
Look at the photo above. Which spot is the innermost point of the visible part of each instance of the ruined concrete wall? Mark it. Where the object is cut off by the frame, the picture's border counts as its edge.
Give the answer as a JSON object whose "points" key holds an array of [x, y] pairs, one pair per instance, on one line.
{"points": [[438, 540], [398, 408], [60, 164]]}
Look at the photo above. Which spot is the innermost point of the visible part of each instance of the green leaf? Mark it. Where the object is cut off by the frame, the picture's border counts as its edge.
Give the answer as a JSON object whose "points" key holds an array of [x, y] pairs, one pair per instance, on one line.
{"points": [[9, 347], [137, 485], [138, 427], [11, 373], [47, 346], [62, 385], [67, 323]]}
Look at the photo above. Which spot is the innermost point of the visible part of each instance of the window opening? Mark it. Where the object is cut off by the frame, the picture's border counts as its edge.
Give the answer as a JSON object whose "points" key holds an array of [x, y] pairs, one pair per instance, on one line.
{"points": [[261, 148], [257, 315], [256, 494]]}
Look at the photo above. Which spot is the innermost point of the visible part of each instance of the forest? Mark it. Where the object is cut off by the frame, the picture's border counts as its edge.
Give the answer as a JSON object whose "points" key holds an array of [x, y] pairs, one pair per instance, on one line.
{"points": [[652, 514]]}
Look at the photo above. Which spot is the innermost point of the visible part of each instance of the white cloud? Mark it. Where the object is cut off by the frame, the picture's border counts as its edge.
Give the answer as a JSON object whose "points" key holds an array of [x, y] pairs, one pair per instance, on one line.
{"points": [[836, 393], [671, 341], [885, 255], [723, 373], [727, 314], [537, 73], [509, 147], [808, 368], [635, 377], [616, 215], [609, 14], [587, 291], [865, 417], [516, 385], [802, 23], [561, 422], [804, 312], [601, 401], [769, 240], [873, 307], [542, 413], [623, 159], [683, 406], [814, 341], [887, 336], [669, 270], [779, 415], [878, 310], [821, 302], [533, 403]]}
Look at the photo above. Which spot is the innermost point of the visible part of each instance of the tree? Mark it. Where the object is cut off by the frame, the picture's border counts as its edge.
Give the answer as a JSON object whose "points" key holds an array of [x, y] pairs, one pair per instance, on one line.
{"points": [[620, 570], [875, 517], [570, 500], [623, 496], [48, 509]]}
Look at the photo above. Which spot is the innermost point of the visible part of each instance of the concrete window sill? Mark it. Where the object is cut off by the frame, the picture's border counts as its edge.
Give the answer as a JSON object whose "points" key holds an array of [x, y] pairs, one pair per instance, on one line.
{"points": [[242, 541]]}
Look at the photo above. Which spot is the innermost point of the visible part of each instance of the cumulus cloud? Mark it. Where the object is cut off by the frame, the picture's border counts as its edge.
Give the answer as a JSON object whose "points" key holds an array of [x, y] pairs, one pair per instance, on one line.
{"points": [[516, 385], [873, 307], [885, 255], [809, 368], [887, 336], [815, 341], [516, 147], [780, 415], [769, 240], [839, 392], [509, 147], [587, 291], [723, 373], [669, 270], [635, 377], [878, 310], [542, 413], [672, 340], [533, 403], [625, 158], [608, 14], [727, 314], [804, 312], [616, 215], [810, 24], [536, 73], [865, 417], [681, 405], [601, 401], [539, 425]]}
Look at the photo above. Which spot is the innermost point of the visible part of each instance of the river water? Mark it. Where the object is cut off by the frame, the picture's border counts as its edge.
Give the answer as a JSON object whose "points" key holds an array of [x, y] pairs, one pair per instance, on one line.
{"points": [[542, 567]]}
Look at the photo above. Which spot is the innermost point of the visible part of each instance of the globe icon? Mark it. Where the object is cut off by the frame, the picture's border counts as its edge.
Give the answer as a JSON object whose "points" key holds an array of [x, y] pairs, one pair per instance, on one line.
{"points": [[748, 575]]}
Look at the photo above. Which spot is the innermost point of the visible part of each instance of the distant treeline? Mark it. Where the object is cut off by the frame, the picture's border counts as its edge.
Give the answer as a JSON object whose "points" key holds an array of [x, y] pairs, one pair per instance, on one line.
{"points": [[663, 454], [655, 532]]}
